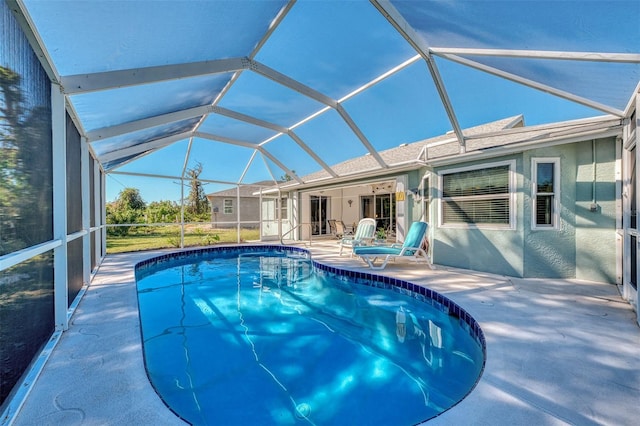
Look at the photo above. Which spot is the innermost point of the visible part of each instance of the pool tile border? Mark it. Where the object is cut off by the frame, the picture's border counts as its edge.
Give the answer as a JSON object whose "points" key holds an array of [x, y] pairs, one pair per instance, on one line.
{"points": [[419, 292]]}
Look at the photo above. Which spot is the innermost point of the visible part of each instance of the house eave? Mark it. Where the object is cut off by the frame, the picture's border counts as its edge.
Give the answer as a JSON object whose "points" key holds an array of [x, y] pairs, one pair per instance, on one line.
{"points": [[523, 146], [330, 181]]}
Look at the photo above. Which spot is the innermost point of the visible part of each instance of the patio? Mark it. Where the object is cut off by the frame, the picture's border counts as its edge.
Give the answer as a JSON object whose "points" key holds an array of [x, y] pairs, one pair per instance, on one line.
{"points": [[558, 351], [510, 127]]}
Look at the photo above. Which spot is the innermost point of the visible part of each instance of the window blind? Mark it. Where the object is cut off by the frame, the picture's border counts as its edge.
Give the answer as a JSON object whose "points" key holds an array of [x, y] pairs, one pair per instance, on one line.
{"points": [[494, 180], [478, 196]]}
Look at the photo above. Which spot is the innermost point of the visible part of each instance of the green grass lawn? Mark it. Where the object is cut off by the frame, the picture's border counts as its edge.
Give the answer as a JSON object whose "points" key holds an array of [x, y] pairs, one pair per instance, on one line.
{"points": [[149, 238]]}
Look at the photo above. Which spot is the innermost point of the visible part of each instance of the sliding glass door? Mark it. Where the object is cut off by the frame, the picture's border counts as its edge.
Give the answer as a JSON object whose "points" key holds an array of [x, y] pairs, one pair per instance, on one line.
{"points": [[380, 207], [319, 215]]}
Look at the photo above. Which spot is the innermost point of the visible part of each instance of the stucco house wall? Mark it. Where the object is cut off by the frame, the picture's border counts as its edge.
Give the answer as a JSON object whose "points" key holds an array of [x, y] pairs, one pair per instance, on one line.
{"points": [[596, 233], [584, 244], [492, 249], [552, 253]]}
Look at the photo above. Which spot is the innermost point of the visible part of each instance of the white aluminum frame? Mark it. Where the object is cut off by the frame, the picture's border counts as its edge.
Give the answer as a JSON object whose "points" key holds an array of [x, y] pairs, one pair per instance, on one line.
{"points": [[86, 211], [60, 282], [630, 140]]}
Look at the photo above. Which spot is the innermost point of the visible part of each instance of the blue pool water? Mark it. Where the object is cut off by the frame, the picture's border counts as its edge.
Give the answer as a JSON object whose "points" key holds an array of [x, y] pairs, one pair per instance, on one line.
{"points": [[248, 336]]}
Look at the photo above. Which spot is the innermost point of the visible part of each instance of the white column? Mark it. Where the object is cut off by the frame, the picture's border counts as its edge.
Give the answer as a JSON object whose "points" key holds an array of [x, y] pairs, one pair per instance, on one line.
{"points": [[182, 212], [238, 211], [102, 211], [260, 214], [637, 133], [86, 210], [401, 213], [295, 215], [60, 282], [279, 214], [97, 214]]}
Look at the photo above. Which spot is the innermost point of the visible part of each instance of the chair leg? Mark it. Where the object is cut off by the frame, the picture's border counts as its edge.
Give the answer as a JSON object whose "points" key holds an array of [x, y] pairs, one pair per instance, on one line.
{"points": [[371, 261], [367, 260], [383, 264], [423, 254]]}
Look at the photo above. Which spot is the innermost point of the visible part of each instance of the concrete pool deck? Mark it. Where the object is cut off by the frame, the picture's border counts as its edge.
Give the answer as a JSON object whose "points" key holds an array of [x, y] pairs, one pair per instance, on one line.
{"points": [[558, 351]]}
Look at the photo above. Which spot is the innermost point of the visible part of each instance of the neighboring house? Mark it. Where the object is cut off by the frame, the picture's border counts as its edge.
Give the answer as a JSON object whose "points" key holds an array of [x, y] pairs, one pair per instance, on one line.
{"points": [[539, 201], [227, 204], [245, 201]]}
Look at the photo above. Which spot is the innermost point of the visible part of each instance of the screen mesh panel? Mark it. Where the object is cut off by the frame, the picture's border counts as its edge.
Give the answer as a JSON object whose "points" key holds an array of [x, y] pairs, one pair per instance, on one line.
{"points": [[74, 180], [26, 289]]}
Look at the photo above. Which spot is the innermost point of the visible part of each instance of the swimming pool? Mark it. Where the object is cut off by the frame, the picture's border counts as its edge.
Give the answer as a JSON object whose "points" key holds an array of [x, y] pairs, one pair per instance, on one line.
{"points": [[265, 335]]}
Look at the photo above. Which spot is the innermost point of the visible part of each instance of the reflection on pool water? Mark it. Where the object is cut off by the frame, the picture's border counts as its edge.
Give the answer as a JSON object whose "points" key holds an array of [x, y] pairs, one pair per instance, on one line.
{"points": [[241, 336]]}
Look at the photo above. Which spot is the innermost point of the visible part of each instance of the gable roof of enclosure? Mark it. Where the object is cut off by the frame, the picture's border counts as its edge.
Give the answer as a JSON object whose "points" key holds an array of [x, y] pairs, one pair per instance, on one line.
{"points": [[291, 87]]}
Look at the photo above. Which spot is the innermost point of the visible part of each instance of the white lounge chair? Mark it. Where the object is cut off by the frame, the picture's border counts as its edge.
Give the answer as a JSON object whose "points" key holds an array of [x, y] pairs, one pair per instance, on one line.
{"points": [[410, 249], [365, 232]]}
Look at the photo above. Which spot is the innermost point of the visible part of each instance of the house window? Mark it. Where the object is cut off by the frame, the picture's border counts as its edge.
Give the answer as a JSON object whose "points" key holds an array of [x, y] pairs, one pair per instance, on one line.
{"points": [[545, 175], [479, 196], [228, 206], [284, 209]]}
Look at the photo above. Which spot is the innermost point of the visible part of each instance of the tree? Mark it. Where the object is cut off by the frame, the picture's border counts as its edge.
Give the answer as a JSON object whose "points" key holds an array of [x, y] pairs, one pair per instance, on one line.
{"points": [[163, 212], [197, 203], [10, 181], [287, 177], [25, 167], [130, 198], [128, 208]]}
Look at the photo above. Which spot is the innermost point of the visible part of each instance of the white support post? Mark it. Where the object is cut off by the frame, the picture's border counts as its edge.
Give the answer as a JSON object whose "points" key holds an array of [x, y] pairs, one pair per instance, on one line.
{"points": [[97, 250], [238, 210], [184, 171], [86, 210], [260, 226], [103, 214], [637, 136], [59, 140], [295, 216], [182, 212], [279, 214]]}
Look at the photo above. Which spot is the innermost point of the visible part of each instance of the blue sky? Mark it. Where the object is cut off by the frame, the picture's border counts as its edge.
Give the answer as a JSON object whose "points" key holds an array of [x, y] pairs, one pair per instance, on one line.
{"points": [[334, 48], [481, 99]]}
